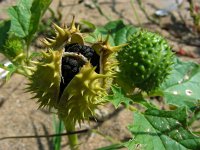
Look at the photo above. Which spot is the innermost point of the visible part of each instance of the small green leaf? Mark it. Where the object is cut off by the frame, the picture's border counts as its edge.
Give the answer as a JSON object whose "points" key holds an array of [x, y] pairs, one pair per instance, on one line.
{"points": [[123, 35], [162, 130], [89, 24], [4, 28], [118, 31], [183, 85], [118, 97], [25, 17]]}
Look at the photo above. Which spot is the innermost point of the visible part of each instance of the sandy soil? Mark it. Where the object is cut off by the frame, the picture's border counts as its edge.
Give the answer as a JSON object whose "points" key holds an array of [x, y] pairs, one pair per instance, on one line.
{"points": [[19, 115]]}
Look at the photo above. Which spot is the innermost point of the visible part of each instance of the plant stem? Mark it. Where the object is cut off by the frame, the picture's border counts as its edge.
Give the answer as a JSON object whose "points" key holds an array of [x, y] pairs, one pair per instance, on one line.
{"points": [[95, 2], [135, 12], [145, 13], [58, 127], [73, 139], [28, 43]]}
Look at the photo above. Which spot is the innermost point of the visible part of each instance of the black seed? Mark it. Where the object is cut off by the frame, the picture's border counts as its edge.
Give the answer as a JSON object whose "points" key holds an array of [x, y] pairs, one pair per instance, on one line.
{"points": [[73, 62], [67, 67], [71, 65]]}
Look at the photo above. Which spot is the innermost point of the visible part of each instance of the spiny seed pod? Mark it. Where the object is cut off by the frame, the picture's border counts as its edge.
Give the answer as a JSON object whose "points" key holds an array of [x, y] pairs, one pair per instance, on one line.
{"points": [[145, 62], [45, 79], [83, 94], [108, 62], [72, 77], [13, 50]]}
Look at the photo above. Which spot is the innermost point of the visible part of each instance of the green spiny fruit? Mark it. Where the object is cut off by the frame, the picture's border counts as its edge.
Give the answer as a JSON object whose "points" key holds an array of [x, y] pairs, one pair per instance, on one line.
{"points": [[145, 62], [13, 50], [71, 76]]}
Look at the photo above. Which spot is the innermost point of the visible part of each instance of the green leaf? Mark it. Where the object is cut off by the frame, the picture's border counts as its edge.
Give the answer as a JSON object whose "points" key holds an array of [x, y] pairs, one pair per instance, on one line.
{"points": [[162, 130], [4, 28], [89, 24], [118, 31], [118, 97], [182, 88], [20, 18], [38, 9], [25, 17], [131, 145]]}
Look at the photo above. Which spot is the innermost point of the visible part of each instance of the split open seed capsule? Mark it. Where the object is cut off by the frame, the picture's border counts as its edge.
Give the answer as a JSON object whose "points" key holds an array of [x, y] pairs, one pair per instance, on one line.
{"points": [[72, 76]]}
